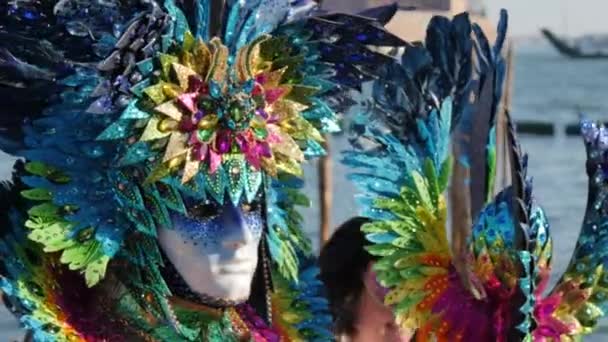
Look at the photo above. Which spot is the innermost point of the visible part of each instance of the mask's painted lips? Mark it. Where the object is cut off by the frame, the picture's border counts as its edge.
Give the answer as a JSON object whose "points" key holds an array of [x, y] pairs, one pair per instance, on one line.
{"points": [[237, 267]]}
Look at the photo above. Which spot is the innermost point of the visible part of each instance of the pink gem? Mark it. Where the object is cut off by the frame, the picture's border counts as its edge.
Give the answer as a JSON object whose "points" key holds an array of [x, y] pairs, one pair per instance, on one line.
{"points": [[545, 310], [214, 161], [252, 156], [264, 149], [241, 140], [200, 152], [187, 100], [273, 137], [253, 160], [272, 95], [193, 139]]}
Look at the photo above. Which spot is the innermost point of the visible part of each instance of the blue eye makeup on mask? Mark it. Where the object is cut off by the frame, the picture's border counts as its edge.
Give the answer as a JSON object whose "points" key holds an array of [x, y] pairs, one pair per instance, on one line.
{"points": [[208, 224]]}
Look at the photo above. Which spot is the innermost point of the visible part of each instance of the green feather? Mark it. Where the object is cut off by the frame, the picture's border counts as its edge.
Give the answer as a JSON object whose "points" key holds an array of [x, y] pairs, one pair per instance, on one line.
{"points": [[37, 194]]}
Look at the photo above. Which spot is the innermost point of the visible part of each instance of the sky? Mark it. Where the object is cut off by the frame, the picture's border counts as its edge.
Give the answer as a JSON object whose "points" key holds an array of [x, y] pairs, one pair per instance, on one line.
{"points": [[572, 17]]}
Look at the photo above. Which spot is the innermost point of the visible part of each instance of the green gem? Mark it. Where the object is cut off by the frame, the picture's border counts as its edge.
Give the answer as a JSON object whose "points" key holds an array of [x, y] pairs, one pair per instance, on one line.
{"points": [[260, 133], [205, 134], [231, 124], [235, 113], [207, 104]]}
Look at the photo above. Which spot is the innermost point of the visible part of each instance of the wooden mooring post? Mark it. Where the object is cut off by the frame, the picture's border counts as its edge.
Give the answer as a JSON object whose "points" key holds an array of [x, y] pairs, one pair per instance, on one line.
{"points": [[325, 193]]}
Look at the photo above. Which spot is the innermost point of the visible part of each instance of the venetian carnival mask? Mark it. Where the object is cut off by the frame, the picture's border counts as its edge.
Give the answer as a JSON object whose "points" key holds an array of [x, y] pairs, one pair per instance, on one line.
{"points": [[215, 249]]}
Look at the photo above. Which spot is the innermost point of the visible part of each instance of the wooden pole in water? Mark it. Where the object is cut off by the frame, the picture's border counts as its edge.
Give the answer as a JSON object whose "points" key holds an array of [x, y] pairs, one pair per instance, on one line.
{"points": [[509, 79], [503, 129], [325, 192]]}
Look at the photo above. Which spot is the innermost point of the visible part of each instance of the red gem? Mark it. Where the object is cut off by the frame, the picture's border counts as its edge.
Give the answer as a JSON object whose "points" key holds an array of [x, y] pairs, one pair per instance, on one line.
{"points": [[261, 78], [195, 84], [258, 90]]}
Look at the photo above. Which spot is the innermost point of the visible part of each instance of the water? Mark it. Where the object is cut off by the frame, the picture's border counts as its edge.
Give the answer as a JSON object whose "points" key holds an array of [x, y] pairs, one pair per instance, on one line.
{"points": [[547, 87]]}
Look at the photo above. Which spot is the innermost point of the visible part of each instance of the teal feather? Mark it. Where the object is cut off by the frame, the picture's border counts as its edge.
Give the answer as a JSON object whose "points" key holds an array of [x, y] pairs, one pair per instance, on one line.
{"points": [[117, 130], [146, 66], [215, 184], [156, 207], [138, 88], [313, 149], [133, 112], [171, 197], [136, 153], [239, 12], [253, 182], [180, 23], [203, 8], [128, 193], [243, 37]]}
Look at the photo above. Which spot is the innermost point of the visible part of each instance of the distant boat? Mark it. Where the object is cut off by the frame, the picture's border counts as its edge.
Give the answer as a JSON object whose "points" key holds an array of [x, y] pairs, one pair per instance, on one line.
{"points": [[589, 46]]}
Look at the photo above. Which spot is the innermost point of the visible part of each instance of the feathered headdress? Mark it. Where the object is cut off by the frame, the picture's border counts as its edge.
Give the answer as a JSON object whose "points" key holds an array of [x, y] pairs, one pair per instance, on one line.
{"points": [[449, 90], [132, 107]]}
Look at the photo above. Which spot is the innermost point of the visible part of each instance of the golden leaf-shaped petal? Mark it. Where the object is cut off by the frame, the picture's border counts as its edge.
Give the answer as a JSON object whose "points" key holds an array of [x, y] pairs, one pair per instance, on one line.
{"points": [[187, 60], [242, 69], [177, 146], [255, 63], [288, 165], [288, 147], [219, 61], [190, 168], [170, 109], [284, 110], [188, 42], [202, 58], [273, 78], [182, 74], [156, 93], [300, 129], [151, 132], [165, 63], [270, 166]]}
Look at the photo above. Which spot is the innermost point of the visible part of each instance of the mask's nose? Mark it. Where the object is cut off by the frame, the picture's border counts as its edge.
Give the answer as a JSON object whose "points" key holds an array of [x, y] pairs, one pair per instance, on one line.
{"points": [[235, 226]]}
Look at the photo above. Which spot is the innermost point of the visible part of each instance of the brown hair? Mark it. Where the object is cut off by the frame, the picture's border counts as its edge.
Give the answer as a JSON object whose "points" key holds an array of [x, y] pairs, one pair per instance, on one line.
{"points": [[343, 262]]}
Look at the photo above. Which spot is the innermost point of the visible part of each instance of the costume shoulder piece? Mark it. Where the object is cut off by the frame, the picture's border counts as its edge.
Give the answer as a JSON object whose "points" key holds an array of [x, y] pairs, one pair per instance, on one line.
{"points": [[448, 90], [131, 113]]}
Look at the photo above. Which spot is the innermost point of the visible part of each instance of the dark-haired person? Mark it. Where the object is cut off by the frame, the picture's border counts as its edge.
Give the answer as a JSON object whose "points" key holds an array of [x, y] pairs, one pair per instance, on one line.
{"points": [[354, 294]]}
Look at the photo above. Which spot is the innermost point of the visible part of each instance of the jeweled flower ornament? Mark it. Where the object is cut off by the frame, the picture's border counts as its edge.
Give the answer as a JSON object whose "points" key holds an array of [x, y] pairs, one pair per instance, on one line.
{"points": [[231, 116], [211, 107]]}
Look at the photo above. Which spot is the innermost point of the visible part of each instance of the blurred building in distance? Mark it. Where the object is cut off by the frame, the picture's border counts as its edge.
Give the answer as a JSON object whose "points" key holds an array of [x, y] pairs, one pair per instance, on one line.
{"points": [[413, 16]]}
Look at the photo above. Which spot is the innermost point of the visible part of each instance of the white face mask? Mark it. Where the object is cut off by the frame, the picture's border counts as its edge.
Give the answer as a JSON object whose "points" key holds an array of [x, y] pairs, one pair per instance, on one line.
{"points": [[215, 255]]}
